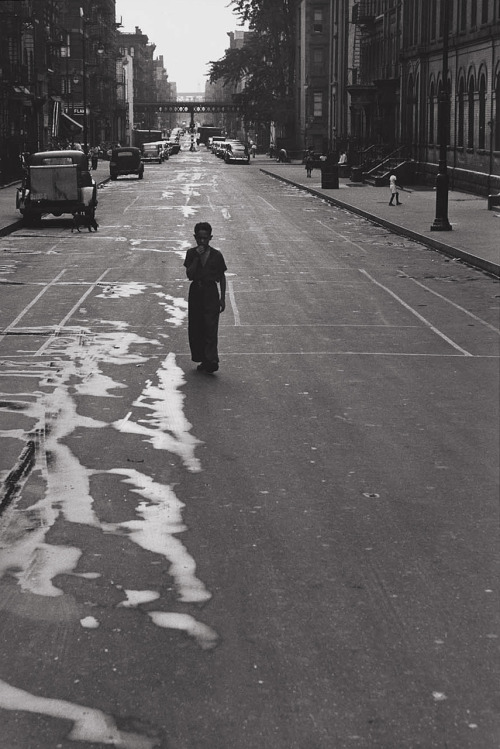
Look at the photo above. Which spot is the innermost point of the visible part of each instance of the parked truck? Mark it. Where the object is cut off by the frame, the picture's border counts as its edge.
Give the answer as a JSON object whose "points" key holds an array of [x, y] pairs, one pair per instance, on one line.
{"points": [[56, 182], [205, 132], [139, 137]]}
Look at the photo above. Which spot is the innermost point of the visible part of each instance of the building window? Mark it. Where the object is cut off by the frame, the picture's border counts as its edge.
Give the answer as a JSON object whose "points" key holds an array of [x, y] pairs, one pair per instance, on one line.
{"points": [[318, 58], [473, 14], [318, 104], [482, 113], [461, 114], [318, 21], [432, 104], [433, 19], [470, 129], [463, 15], [484, 11]]}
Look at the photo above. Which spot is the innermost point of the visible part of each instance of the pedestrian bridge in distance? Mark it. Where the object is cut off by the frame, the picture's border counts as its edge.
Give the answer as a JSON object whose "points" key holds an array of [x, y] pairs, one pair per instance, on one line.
{"points": [[191, 107]]}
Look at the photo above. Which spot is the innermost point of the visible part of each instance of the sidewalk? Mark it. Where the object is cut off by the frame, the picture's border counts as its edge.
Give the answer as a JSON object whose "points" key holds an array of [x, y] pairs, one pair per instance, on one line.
{"points": [[475, 235], [10, 219]]}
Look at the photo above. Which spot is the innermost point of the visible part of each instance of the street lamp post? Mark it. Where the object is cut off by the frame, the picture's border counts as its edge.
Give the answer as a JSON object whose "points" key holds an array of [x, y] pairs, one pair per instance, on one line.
{"points": [[441, 222], [84, 83]]}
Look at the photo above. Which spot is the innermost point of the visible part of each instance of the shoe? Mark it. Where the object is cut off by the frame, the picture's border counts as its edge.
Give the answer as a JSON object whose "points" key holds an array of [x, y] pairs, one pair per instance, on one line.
{"points": [[211, 368], [399, 204]]}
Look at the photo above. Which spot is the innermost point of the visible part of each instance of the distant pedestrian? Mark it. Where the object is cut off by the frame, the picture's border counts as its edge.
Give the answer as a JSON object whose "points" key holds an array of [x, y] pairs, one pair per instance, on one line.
{"points": [[94, 156], [394, 188], [282, 156], [253, 150], [309, 162], [205, 268]]}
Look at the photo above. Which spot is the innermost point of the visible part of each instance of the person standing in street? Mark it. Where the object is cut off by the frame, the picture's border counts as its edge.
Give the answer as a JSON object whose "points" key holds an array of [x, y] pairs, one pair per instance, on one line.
{"points": [[309, 162], [205, 268], [394, 188]]}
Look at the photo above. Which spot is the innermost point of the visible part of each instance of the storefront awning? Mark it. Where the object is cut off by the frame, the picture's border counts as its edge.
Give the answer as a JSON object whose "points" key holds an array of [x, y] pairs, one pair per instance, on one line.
{"points": [[72, 121]]}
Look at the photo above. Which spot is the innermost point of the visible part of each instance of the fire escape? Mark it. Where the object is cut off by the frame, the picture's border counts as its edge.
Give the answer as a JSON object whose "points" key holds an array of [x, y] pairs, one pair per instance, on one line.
{"points": [[360, 88]]}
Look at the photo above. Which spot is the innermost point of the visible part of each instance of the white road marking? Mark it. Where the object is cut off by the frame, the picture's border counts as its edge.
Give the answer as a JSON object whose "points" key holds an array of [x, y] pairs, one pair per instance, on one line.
{"points": [[417, 314], [32, 303], [232, 299], [457, 306], [70, 314], [269, 204]]}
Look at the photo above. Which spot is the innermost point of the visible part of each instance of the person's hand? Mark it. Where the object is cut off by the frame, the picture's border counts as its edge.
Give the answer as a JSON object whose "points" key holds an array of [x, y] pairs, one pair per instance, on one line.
{"points": [[222, 305]]}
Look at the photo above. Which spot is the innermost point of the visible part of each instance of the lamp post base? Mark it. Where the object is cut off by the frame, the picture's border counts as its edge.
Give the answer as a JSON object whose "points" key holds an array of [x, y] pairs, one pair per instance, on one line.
{"points": [[441, 224]]}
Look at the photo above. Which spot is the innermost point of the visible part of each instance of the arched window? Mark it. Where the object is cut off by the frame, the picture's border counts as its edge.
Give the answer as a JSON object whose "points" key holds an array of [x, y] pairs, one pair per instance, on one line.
{"points": [[432, 110], [482, 112], [470, 130], [461, 114]]}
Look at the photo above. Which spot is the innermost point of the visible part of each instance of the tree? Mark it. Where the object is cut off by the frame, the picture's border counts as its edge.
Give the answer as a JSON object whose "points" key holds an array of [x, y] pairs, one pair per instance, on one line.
{"points": [[265, 64]]}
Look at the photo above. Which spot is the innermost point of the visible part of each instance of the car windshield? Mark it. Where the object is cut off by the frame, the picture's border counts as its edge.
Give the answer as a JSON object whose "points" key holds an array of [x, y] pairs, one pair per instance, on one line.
{"points": [[121, 154], [57, 161]]}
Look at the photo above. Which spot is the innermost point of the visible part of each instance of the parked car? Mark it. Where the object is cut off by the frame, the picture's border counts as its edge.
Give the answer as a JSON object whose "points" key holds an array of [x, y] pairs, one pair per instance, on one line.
{"points": [[236, 153], [174, 147], [152, 152], [56, 182], [126, 160]]}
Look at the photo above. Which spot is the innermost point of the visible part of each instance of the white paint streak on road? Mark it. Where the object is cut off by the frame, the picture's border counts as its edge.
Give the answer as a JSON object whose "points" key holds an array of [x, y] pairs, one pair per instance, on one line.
{"points": [[89, 725], [176, 307], [160, 519], [166, 427], [204, 635]]}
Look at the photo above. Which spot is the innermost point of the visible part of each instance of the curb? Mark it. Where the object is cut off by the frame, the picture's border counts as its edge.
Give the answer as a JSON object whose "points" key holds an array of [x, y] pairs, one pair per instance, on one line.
{"points": [[434, 244]]}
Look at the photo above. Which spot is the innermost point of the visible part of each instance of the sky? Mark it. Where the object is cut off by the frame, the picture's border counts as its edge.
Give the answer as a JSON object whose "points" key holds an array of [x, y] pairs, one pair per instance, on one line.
{"points": [[188, 33]]}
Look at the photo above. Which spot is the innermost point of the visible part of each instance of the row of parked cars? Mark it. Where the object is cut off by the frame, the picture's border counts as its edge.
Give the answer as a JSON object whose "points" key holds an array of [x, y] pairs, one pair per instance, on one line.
{"points": [[131, 160], [230, 150]]}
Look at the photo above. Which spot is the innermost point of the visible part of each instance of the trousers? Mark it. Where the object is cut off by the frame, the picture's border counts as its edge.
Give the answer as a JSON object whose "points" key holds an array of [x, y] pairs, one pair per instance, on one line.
{"points": [[203, 321]]}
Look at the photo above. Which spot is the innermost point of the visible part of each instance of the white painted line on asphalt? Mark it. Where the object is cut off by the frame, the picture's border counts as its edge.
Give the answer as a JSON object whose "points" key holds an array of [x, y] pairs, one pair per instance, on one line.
{"points": [[342, 236], [269, 204], [457, 306], [352, 353], [57, 328], [130, 204], [232, 299], [32, 303], [417, 314]]}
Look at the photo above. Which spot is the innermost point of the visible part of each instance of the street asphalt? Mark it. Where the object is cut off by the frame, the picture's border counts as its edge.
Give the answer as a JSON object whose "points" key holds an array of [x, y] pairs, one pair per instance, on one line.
{"points": [[474, 238]]}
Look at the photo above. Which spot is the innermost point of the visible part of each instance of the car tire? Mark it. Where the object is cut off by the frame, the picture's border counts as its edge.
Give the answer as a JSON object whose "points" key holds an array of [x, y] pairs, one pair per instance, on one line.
{"points": [[141, 175]]}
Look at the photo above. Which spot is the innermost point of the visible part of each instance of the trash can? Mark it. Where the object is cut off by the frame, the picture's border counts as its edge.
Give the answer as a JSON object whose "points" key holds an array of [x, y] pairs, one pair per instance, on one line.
{"points": [[356, 174], [330, 173]]}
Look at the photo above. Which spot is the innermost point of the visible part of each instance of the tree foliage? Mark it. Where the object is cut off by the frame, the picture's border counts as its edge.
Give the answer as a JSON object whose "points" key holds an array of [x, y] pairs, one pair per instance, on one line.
{"points": [[265, 64]]}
